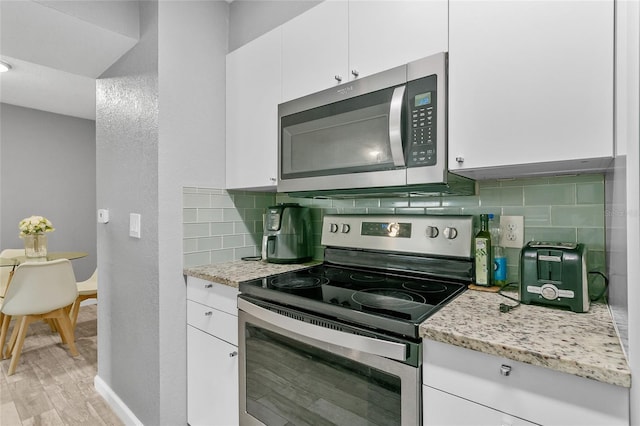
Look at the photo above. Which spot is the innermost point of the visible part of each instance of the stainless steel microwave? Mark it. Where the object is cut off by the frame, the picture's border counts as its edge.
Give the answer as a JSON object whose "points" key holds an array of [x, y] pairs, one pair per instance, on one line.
{"points": [[383, 133]]}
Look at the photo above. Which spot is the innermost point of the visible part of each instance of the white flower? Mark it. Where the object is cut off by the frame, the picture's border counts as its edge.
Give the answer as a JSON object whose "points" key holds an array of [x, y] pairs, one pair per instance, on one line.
{"points": [[35, 225]]}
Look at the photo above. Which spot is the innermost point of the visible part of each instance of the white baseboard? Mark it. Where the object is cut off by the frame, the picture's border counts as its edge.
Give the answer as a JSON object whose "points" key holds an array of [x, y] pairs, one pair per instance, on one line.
{"points": [[116, 404]]}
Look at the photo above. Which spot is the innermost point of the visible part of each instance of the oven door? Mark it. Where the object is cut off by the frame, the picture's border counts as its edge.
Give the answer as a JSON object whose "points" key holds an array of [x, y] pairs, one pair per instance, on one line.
{"points": [[296, 372]]}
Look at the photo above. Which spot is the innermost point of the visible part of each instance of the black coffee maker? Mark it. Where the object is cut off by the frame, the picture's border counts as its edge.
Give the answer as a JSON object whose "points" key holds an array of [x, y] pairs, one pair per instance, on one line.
{"points": [[287, 234]]}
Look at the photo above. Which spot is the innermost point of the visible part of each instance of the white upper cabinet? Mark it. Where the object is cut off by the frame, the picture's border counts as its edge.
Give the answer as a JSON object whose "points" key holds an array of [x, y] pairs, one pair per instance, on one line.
{"points": [[385, 34], [530, 87], [254, 76], [339, 41], [315, 50]]}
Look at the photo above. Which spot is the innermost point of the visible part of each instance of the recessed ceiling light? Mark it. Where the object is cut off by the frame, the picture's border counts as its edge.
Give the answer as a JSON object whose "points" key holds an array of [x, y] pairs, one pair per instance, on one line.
{"points": [[4, 67]]}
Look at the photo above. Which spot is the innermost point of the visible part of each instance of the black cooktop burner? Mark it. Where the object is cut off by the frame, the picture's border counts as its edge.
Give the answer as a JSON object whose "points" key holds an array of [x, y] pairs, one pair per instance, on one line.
{"points": [[298, 282], [392, 302], [388, 298]]}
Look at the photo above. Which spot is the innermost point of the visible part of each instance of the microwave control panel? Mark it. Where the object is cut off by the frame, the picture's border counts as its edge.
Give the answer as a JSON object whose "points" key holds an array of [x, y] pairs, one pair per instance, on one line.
{"points": [[422, 140]]}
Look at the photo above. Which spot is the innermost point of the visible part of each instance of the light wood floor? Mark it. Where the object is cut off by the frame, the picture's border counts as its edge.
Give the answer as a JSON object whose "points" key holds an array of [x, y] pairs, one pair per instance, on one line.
{"points": [[50, 387]]}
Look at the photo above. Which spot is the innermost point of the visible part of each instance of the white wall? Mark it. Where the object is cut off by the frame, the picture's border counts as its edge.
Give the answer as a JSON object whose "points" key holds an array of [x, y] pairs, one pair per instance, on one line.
{"points": [[623, 193], [192, 50], [48, 168]]}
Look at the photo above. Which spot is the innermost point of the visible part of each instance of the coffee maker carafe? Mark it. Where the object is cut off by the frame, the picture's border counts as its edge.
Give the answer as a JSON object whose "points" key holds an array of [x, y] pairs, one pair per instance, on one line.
{"points": [[287, 234]]}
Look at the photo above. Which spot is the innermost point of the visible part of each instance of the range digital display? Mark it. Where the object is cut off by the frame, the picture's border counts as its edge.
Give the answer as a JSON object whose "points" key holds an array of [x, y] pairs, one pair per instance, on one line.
{"points": [[386, 229]]}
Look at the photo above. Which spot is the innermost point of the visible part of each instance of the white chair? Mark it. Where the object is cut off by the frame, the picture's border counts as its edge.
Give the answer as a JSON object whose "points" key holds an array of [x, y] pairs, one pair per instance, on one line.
{"points": [[40, 290], [5, 276], [86, 290]]}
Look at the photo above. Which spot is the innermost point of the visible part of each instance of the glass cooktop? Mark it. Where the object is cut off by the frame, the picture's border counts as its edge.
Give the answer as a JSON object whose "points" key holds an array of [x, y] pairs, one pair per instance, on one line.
{"points": [[391, 302]]}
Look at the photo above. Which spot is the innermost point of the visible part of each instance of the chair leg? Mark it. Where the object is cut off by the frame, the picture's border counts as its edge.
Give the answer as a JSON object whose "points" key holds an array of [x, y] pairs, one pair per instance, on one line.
{"points": [[17, 350], [66, 331], [4, 329], [12, 340], [73, 313]]}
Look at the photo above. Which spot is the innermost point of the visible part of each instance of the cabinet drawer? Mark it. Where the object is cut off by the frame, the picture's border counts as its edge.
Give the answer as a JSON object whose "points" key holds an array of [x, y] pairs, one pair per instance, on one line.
{"points": [[212, 321], [220, 296], [443, 409], [538, 394]]}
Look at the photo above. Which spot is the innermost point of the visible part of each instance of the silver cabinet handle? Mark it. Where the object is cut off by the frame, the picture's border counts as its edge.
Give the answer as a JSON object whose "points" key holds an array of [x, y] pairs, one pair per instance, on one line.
{"points": [[338, 78], [208, 286], [355, 73], [208, 313], [460, 160], [395, 126], [233, 354], [505, 370], [272, 179]]}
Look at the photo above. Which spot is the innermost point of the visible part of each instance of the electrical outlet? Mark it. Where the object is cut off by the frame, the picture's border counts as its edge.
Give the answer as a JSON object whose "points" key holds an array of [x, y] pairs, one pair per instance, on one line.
{"points": [[512, 231]]}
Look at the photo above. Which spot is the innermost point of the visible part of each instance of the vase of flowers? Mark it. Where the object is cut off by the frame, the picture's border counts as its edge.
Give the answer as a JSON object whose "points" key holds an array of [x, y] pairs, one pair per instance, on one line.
{"points": [[33, 231]]}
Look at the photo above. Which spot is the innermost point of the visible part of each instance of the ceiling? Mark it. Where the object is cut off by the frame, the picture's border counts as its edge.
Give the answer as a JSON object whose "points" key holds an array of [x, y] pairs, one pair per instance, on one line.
{"points": [[58, 48]]}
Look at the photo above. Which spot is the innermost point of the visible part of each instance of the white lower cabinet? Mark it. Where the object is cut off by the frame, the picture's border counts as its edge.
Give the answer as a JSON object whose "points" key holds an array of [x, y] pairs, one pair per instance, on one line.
{"points": [[212, 354], [466, 387], [444, 409]]}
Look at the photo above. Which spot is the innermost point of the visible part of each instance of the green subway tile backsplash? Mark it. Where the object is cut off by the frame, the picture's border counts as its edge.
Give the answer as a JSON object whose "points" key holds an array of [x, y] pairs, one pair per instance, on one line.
{"points": [[561, 209]]}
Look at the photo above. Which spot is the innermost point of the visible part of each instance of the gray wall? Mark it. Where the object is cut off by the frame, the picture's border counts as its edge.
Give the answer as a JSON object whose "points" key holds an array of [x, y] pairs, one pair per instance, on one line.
{"points": [[127, 170], [159, 126], [47, 168], [250, 19]]}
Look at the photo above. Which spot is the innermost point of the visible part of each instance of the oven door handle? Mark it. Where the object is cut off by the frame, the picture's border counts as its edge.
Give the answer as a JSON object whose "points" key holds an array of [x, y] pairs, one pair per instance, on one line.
{"points": [[392, 350]]}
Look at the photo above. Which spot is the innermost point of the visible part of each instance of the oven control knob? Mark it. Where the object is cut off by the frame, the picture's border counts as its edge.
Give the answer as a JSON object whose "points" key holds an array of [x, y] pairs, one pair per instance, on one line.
{"points": [[450, 233], [393, 229], [345, 228], [432, 231], [333, 227]]}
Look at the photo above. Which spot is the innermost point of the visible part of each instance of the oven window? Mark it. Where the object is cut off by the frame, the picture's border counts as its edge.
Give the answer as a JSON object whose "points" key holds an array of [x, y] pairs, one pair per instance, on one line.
{"points": [[292, 383]]}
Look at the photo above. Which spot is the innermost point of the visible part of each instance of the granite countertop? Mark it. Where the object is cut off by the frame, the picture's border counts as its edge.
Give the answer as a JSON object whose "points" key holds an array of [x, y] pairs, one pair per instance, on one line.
{"points": [[584, 344], [232, 273]]}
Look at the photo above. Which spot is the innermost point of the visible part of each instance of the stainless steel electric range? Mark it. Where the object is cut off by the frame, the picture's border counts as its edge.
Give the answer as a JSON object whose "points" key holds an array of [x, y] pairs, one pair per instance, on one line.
{"points": [[339, 343]]}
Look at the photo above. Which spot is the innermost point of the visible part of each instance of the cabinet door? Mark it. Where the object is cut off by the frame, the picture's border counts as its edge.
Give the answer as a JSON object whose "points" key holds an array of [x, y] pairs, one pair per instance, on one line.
{"points": [[385, 34], [443, 409], [540, 395], [212, 380], [315, 49], [530, 82], [254, 78]]}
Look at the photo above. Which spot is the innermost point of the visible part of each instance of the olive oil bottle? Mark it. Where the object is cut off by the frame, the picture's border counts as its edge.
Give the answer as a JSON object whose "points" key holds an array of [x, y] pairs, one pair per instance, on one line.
{"points": [[482, 249]]}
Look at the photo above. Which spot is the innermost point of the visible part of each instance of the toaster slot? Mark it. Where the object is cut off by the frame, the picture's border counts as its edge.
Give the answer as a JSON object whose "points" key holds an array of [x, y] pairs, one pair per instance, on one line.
{"points": [[550, 266]]}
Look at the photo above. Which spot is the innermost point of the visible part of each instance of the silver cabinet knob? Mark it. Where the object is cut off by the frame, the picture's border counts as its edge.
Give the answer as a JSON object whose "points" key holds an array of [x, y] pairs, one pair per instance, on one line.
{"points": [[432, 231], [208, 313], [460, 160], [450, 233], [273, 180], [505, 370], [355, 73], [333, 228], [338, 78], [232, 354], [345, 228], [208, 286]]}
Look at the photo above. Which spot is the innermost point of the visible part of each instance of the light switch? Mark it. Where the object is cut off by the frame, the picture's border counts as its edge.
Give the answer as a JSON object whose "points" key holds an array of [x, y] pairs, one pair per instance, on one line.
{"points": [[134, 225], [103, 215]]}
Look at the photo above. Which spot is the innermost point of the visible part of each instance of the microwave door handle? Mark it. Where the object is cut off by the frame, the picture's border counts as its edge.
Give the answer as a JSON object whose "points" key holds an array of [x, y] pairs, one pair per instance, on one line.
{"points": [[395, 126]]}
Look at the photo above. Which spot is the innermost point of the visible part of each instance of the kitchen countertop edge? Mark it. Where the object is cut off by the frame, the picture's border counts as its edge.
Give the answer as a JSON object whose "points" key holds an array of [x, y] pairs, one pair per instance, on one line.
{"points": [[496, 337], [232, 273]]}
